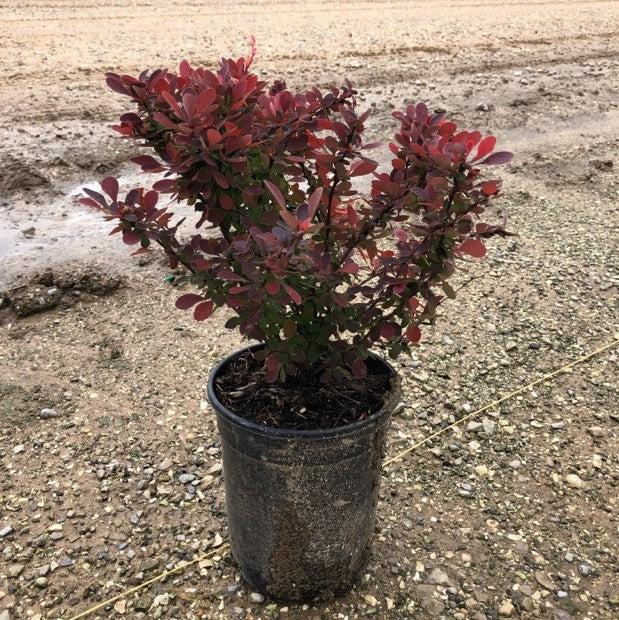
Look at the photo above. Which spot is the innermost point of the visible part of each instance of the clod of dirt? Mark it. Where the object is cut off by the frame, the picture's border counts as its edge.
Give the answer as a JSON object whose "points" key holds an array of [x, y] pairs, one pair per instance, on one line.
{"points": [[48, 290], [20, 175]]}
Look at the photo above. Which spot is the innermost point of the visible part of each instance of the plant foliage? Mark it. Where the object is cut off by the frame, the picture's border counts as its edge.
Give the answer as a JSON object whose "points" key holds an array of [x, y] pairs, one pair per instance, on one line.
{"points": [[308, 265]]}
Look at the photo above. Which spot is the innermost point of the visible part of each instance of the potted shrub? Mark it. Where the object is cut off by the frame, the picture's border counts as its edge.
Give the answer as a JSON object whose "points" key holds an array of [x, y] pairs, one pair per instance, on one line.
{"points": [[314, 271]]}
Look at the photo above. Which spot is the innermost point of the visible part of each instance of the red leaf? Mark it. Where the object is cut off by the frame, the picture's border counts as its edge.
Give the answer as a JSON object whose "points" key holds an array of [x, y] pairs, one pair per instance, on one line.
{"points": [[150, 199], [213, 137], [473, 247], [413, 304], [226, 202], [221, 180], [89, 202], [184, 302], [490, 188], [350, 267], [184, 69], [148, 163], [203, 310], [485, 147], [130, 237], [271, 363], [272, 287], [110, 186], [361, 167], [277, 195], [165, 185], [413, 333], [313, 201], [293, 295], [359, 369], [496, 159], [388, 331]]}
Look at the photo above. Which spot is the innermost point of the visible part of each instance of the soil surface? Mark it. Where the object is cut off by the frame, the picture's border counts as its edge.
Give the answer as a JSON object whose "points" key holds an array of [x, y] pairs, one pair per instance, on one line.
{"points": [[304, 402], [110, 461]]}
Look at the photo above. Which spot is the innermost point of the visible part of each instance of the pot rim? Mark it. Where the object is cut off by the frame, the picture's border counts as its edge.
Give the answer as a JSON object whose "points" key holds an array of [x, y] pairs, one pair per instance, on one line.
{"points": [[291, 433]]}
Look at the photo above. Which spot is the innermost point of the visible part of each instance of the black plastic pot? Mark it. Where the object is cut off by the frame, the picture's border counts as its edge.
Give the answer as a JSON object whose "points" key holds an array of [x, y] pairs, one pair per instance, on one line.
{"points": [[301, 504]]}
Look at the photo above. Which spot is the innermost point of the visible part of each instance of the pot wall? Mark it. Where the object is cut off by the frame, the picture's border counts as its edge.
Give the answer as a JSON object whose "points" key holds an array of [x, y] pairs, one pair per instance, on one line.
{"points": [[301, 504]]}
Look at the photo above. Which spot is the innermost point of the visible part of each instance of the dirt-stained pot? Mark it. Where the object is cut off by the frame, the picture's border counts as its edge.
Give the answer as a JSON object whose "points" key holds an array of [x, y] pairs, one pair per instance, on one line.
{"points": [[301, 504]]}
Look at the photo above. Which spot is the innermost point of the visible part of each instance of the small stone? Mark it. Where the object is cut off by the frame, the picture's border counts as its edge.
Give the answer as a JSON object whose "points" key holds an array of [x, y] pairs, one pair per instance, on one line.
{"points": [[596, 461], [544, 580], [142, 604], [562, 594], [596, 431], [5, 615], [45, 414], [370, 600], [161, 600], [574, 481], [585, 570], [481, 470], [15, 570], [165, 464], [6, 531], [506, 609], [19, 449], [515, 464], [41, 582], [489, 426], [215, 469], [511, 345], [120, 606], [438, 577], [569, 557], [186, 478], [256, 597], [432, 607]]}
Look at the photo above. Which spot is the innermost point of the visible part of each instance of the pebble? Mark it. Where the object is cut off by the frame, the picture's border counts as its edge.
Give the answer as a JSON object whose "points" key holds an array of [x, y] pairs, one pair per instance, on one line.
{"points": [[41, 582], [544, 580], [45, 414], [186, 478], [596, 431], [6, 531], [256, 597], [574, 481], [15, 570], [585, 570], [506, 609], [481, 470], [438, 577], [165, 464]]}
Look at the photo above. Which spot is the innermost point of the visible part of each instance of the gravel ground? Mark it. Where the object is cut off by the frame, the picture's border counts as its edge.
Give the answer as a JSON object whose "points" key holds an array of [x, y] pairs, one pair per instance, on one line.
{"points": [[110, 469]]}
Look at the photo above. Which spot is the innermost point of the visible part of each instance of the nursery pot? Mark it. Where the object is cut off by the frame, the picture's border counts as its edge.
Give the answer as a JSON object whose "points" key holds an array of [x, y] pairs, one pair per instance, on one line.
{"points": [[301, 504]]}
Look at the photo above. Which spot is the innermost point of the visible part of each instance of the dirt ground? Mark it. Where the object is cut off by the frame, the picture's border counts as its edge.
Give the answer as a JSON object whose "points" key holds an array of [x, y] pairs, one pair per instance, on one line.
{"points": [[110, 468]]}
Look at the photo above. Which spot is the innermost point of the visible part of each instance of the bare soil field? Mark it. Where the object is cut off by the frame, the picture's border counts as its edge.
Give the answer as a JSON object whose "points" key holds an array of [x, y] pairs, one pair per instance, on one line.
{"points": [[110, 470]]}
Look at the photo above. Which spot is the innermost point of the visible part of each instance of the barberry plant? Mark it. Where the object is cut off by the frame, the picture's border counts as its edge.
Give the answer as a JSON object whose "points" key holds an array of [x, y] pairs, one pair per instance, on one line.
{"points": [[308, 265]]}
